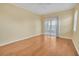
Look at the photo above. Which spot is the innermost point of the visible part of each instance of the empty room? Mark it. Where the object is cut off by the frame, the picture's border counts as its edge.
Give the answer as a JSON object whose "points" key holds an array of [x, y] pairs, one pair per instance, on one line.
{"points": [[39, 29]]}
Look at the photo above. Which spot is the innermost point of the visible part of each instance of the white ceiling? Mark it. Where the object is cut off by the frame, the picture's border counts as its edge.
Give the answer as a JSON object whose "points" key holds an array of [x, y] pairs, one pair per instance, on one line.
{"points": [[45, 8]]}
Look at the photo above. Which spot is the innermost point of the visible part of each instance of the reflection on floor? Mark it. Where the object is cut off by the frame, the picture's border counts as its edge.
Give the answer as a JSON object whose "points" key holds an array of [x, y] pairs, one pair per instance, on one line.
{"points": [[40, 46]]}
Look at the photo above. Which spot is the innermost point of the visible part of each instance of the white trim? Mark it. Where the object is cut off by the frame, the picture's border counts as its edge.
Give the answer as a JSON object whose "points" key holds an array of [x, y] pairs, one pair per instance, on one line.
{"points": [[65, 37], [19, 39], [75, 47]]}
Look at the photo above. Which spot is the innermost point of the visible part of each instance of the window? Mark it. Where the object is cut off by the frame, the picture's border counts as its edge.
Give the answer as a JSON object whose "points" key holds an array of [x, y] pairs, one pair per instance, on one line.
{"points": [[75, 20]]}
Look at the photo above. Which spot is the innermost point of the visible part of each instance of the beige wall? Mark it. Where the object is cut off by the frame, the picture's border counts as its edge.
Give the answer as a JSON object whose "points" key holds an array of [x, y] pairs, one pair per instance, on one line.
{"points": [[76, 34], [65, 22], [17, 24]]}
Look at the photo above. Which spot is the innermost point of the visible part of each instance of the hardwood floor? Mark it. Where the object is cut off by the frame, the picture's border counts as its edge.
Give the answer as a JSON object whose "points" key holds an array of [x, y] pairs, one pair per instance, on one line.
{"points": [[40, 46]]}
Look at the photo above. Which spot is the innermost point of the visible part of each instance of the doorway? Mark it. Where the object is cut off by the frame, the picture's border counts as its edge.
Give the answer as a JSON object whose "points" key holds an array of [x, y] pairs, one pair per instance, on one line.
{"points": [[51, 26]]}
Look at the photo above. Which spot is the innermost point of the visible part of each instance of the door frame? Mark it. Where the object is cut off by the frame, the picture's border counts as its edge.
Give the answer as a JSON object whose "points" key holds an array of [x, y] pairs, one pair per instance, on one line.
{"points": [[57, 26]]}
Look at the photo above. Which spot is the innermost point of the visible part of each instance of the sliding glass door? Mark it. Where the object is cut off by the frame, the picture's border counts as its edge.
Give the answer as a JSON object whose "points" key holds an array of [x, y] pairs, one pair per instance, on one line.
{"points": [[51, 26]]}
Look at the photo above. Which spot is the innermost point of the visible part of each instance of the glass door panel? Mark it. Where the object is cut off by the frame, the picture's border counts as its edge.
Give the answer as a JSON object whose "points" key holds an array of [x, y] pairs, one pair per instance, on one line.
{"points": [[51, 26]]}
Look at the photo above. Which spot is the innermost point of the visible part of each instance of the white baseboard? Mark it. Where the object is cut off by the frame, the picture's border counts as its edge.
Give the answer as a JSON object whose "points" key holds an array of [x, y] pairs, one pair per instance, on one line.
{"points": [[75, 47], [19, 39], [65, 37]]}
